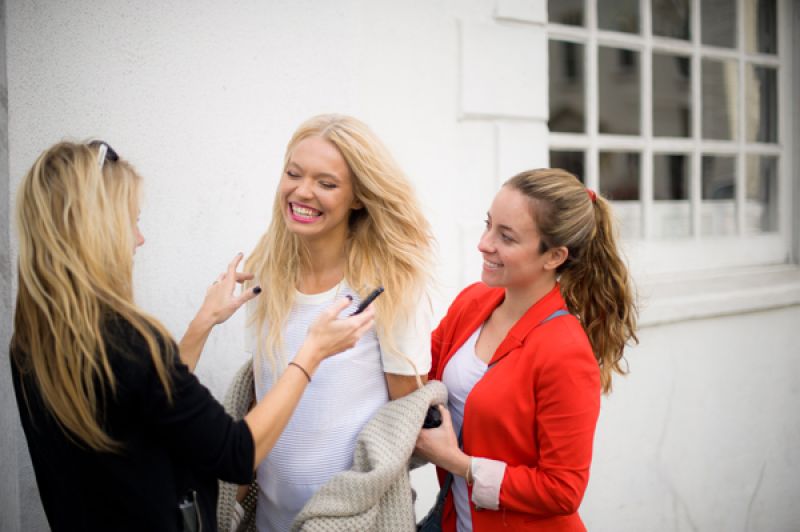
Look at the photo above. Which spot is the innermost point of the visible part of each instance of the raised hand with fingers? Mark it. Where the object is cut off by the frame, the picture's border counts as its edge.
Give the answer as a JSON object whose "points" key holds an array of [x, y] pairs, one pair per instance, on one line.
{"points": [[220, 303]]}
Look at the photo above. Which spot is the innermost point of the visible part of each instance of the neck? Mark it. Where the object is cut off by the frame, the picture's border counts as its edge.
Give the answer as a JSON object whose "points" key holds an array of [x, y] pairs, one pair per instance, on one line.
{"points": [[326, 267], [519, 299]]}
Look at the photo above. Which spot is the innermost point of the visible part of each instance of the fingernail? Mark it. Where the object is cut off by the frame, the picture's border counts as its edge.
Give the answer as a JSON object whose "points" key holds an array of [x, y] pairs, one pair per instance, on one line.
{"points": [[257, 290], [348, 296], [241, 253]]}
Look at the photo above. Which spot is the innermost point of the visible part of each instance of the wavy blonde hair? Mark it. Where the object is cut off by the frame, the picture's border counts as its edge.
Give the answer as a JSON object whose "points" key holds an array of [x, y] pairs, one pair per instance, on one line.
{"points": [[594, 279], [389, 241], [76, 241]]}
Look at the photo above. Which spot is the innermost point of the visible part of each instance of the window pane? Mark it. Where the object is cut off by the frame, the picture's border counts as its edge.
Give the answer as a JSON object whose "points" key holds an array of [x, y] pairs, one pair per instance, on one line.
{"points": [[762, 104], [671, 208], [618, 15], [672, 96], [618, 83], [566, 87], [718, 214], [671, 18], [619, 182], [761, 27], [571, 161], [565, 12], [619, 175], [719, 99], [761, 204], [718, 23]]}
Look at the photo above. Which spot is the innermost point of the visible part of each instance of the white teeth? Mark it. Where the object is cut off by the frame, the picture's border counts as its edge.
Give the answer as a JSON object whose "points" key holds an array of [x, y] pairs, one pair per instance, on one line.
{"points": [[491, 264], [304, 211]]}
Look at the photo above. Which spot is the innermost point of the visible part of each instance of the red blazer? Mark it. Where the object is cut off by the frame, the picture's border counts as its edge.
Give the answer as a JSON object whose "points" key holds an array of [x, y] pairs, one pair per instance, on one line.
{"points": [[536, 410]]}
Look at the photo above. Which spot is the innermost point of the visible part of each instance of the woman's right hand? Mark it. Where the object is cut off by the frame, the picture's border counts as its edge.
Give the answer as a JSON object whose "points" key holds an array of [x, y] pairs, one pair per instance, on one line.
{"points": [[330, 334]]}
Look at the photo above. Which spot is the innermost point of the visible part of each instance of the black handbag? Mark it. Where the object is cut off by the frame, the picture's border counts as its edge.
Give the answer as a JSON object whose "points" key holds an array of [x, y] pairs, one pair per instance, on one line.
{"points": [[432, 522]]}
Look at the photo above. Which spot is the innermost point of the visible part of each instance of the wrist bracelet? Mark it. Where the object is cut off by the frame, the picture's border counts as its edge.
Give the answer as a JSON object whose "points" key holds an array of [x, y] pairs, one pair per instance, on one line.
{"points": [[301, 368]]}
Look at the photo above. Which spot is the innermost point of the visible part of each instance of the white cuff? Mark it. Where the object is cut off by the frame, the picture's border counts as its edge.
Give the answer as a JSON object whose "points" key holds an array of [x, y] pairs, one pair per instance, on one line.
{"points": [[487, 476], [237, 515]]}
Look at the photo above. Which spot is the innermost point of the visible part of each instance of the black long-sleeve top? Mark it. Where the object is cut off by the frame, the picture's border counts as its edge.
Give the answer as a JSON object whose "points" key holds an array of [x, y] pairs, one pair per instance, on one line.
{"points": [[168, 448]]}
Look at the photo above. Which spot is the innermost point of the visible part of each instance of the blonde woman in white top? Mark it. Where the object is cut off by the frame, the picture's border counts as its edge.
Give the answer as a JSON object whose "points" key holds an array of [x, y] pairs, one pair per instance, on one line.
{"points": [[345, 221]]}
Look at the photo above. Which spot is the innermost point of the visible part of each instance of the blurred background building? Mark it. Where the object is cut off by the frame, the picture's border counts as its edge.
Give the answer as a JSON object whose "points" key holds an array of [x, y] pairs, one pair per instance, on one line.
{"points": [[682, 112]]}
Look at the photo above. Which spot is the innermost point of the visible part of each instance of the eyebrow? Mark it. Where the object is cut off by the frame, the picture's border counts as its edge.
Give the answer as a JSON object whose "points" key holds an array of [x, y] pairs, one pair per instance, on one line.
{"points": [[501, 226]]}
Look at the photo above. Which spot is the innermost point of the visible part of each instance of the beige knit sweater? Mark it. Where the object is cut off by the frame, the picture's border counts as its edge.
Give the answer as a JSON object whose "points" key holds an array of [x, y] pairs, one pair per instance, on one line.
{"points": [[375, 493]]}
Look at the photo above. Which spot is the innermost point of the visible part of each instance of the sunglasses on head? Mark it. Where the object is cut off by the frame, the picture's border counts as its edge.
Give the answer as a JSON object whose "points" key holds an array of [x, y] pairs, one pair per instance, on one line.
{"points": [[105, 152]]}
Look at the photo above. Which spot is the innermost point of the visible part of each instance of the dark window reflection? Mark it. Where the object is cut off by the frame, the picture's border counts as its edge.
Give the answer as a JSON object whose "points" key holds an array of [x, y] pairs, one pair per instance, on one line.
{"points": [[672, 96], [719, 99], [618, 15], [718, 23], [718, 185], [671, 208], [569, 160], [619, 91], [670, 18], [619, 175], [762, 104], [670, 177], [761, 26], [565, 12], [761, 205], [566, 87]]}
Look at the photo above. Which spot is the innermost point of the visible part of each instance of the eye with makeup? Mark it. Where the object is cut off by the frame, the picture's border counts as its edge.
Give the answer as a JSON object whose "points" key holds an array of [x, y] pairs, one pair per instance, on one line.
{"points": [[327, 185], [292, 174]]}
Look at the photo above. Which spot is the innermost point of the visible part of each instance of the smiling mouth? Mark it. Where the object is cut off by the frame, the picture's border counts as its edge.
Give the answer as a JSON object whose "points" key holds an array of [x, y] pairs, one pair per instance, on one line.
{"points": [[491, 265], [304, 212]]}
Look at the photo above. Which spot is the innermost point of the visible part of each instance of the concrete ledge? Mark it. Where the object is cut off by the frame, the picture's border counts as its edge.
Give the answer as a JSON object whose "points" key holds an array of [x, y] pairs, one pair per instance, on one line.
{"points": [[692, 296]]}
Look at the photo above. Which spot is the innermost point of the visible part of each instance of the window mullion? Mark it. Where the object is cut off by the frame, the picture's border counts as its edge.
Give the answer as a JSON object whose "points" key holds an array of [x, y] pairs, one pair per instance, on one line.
{"points": [[646, 167], [741, 138], [592, 96], [695, 195]]}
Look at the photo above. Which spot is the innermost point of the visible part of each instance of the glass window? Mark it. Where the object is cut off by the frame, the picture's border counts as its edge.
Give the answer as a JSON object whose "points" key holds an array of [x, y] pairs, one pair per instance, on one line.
{"points": [[761, 26], [619, 87], [761, 202], [618, 15], [565, 12], [762, 104], [718, 214], [566, 87], [670, 18], [671, 184], [719, 99], [672, 96], [569, 160], [619, 175], [718, 23]]}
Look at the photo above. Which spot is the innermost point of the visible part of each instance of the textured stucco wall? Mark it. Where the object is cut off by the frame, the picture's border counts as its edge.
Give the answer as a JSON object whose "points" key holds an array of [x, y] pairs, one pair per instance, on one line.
{"points": [[203, 97]]}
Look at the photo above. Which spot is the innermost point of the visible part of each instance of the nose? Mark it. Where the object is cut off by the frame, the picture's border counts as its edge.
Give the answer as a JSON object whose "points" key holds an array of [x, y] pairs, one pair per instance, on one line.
{"points": [[485, 244], [139, 238], [304, 188]]}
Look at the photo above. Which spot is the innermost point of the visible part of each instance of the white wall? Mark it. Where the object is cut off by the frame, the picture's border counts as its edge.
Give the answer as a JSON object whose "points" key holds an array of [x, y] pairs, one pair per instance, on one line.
{"points": [[202, 97]]}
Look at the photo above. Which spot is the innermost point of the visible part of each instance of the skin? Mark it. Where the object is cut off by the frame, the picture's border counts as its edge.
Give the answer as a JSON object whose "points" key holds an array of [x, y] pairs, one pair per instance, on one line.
{"points": [[317, 192], [511, 260], [327, 336]]}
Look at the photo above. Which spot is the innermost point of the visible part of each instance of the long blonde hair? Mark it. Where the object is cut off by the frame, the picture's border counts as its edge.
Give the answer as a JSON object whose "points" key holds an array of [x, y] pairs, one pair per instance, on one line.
{"points": [[76, 240], [389, 241], [594, 279]]}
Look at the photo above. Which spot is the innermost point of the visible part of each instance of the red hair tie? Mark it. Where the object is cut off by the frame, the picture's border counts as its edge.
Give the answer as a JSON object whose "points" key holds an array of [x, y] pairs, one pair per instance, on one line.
{"points": [[592, 195]]}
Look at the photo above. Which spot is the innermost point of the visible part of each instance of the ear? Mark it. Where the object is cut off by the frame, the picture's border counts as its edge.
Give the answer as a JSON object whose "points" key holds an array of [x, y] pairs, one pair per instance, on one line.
{"points": [[356, 205], [556, 257]]}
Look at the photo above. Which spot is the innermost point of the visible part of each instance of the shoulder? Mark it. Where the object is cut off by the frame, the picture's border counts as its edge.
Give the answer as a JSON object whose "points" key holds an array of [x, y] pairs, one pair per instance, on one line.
{"points": [[562, 346]]}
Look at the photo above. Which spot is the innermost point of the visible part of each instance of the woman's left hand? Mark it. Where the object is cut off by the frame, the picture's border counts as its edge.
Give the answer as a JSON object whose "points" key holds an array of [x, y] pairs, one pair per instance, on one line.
{"points": [[220, 302], [440, 446]]}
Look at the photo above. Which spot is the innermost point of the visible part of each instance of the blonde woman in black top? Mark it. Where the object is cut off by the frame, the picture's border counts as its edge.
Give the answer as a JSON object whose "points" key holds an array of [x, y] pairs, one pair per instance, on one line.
{"points": [[119, 429]]}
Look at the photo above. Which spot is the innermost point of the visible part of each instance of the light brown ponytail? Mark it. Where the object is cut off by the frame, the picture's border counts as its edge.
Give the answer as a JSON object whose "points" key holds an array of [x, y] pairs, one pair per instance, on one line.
{"points": [[594, 279]]}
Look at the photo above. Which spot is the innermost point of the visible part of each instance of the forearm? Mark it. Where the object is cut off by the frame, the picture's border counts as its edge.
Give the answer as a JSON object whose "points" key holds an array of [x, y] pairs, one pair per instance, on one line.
{"points": [[272, 413], [193, 341]]}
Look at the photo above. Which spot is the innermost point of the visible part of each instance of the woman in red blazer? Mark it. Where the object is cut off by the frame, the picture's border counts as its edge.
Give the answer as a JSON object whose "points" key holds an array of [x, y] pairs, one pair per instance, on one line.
{"points": [[525, 355]]}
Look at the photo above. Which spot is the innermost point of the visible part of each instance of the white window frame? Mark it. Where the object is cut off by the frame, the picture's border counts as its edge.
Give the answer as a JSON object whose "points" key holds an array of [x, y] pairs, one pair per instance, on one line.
{"points": [[646, 254]]}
